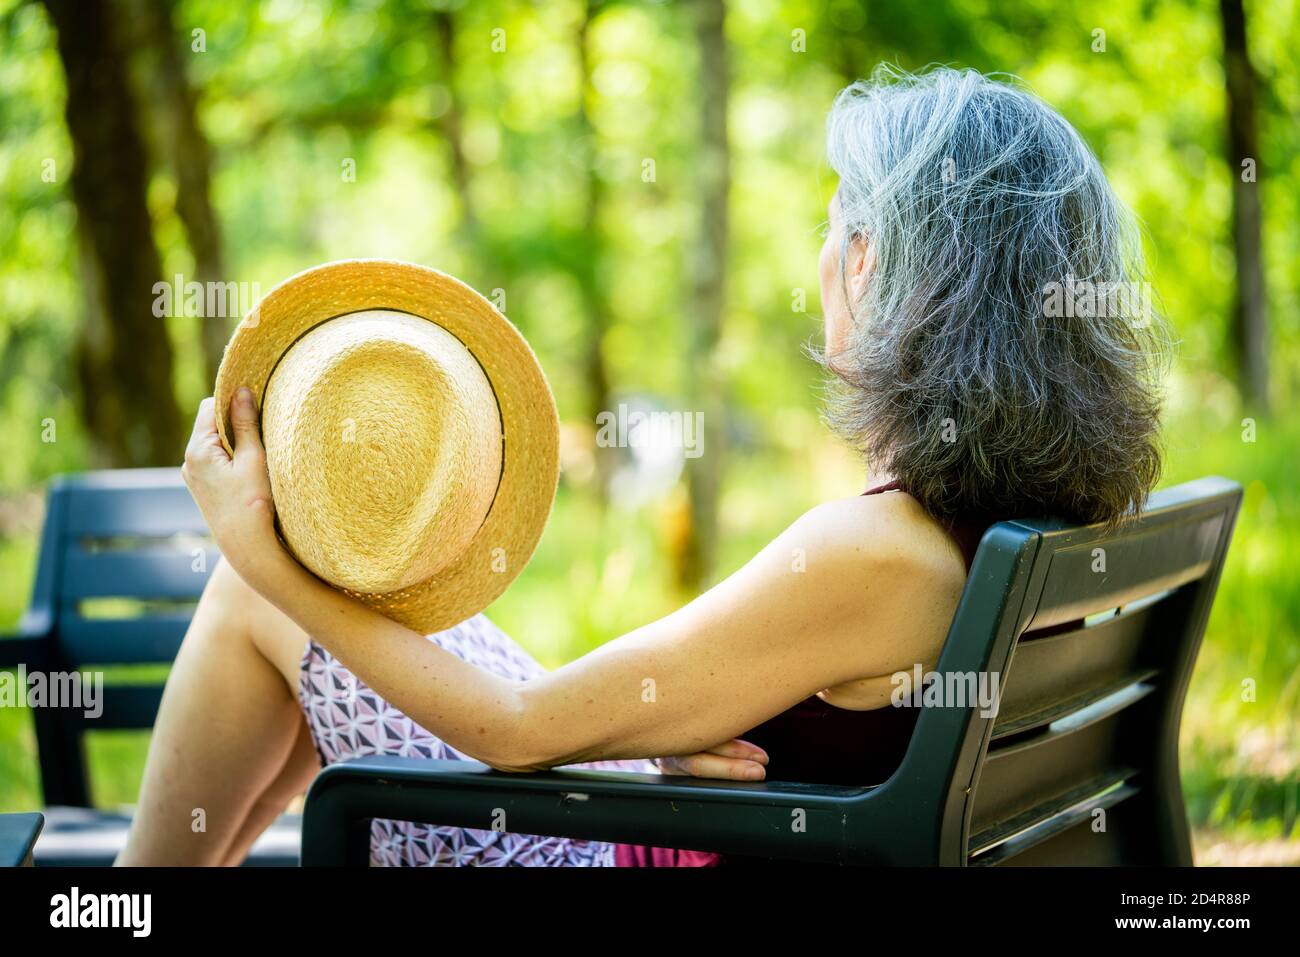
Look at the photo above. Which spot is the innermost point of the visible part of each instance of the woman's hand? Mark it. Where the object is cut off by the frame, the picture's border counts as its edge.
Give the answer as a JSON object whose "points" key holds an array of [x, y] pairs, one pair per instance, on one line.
{"points": [[733, 760], [234, 494]]}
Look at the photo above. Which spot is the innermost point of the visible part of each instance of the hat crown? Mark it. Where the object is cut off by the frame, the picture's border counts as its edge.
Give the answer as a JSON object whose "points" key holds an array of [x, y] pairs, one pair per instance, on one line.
{"points": [[384, 448]]}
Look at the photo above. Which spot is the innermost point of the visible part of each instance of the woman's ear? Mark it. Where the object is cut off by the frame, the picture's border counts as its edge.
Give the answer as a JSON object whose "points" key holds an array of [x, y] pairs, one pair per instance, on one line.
{"points": [[859, 266]]}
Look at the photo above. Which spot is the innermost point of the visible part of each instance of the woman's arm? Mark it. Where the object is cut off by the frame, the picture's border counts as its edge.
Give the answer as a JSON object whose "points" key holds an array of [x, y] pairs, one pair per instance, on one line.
{"points": [[832, 599]]}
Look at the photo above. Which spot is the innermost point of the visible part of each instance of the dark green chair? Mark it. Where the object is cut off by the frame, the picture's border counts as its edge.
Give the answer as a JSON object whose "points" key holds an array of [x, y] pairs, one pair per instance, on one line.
{"points": [[124, 556], [1094, 636]]}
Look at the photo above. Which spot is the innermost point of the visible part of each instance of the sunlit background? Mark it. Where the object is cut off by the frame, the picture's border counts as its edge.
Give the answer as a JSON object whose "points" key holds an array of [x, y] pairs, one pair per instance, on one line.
{"points": [[571, 159]]}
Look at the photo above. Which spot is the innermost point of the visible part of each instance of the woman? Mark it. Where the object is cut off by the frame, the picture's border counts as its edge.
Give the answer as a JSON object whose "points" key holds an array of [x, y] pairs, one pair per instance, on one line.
{"points": [[962, 204]]}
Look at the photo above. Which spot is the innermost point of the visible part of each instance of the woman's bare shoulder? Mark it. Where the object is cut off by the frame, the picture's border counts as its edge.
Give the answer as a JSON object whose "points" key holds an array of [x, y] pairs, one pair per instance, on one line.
{"points": [[886, 564], [888, 530]]}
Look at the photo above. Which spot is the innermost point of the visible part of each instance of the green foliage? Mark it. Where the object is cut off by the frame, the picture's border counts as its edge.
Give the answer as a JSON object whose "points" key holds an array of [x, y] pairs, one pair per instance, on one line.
{"points": [[291, 89], [1240, 740]]}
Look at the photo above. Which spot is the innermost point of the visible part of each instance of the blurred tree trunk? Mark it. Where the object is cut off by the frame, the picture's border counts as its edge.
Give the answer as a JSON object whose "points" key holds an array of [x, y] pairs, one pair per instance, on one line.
{"points": [[191, 159], [595, 301], [124, 358], [450, 126], [708, 271], [1250, 308]]}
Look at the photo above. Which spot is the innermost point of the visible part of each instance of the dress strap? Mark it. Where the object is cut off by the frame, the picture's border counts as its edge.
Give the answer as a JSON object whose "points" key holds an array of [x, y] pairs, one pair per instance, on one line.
{"points": [[894, 486]]}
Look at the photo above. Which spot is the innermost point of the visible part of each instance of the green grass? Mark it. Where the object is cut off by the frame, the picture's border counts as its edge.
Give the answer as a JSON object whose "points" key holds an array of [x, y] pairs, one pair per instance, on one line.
{"points": [[600, 573], [19, 781]]}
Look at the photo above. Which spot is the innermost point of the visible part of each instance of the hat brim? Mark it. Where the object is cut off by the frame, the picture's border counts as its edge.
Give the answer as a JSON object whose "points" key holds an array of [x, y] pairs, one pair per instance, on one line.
{"points": [[530, 425]]}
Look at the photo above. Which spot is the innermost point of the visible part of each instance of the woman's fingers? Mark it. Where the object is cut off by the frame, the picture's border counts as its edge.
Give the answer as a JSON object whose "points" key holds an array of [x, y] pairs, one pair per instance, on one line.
{"points": [[205, 448], [205, 422], [736, 748], [733, 760], [243, 421], [706, 764], [709, 765]]}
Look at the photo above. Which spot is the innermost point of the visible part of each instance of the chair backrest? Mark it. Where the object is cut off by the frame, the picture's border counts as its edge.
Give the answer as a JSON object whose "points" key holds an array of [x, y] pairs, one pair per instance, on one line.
{"points": [[1089, 638], [124, 556]]}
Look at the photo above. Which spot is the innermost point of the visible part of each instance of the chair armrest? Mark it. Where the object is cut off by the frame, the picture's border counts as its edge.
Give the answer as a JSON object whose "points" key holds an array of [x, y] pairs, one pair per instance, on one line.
{"points": [[18, 833], [623, 807]]}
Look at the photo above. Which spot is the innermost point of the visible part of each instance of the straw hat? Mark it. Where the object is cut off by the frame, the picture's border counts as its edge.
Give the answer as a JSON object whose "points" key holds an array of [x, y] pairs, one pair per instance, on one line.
{"points": [[411, 437]]}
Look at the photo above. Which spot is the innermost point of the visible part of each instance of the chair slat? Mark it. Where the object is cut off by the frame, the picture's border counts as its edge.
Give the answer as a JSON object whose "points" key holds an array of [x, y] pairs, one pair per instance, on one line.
{"points": [[1082, 747], [1138, 564], [1079, 845], [149, 639], [126, 708], [1060, 709], [1053, 675], [158, 510], [1013, 836], [163, 573], [122, 708]]}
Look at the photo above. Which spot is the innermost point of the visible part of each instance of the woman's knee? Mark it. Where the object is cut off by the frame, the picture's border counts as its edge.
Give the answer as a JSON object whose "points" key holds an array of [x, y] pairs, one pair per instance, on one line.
{"points": [[245, 614], [226, 590]]}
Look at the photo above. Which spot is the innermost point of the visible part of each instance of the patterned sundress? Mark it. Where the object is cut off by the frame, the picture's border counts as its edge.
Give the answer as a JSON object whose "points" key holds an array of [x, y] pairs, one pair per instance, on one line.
{"points": [[349, 720]]}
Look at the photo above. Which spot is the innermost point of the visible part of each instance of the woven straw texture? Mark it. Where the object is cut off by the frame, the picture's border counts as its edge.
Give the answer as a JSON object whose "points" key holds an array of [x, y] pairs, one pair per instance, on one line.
{"points": [[413, 458]]}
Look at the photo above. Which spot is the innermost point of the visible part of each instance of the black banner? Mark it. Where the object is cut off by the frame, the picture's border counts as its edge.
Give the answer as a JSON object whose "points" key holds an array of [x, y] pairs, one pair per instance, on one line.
{"points": [[509, 906]]}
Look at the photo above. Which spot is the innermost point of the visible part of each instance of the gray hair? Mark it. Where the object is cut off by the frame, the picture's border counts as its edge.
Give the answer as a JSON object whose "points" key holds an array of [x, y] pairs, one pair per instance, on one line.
{"points": [[959, 377]]}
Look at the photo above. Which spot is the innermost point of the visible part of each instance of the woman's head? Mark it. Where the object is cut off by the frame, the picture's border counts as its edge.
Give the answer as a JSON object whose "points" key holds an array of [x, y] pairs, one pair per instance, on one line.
{"points": [[986, 312]]}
